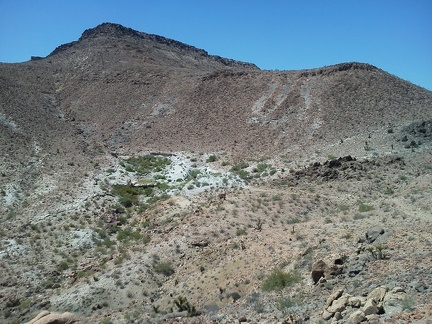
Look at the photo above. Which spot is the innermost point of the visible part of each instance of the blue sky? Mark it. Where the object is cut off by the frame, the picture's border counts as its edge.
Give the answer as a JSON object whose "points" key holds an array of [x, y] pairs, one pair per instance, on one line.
{"points": [[393, 35]]}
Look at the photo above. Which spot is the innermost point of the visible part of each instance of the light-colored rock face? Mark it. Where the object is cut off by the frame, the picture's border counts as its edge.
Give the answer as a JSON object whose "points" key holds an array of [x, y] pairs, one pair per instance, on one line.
{"points": [[46, 317]]}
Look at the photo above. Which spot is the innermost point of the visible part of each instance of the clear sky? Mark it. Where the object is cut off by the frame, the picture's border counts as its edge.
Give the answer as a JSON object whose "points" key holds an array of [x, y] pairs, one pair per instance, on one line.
{"points": [[393, 35]]}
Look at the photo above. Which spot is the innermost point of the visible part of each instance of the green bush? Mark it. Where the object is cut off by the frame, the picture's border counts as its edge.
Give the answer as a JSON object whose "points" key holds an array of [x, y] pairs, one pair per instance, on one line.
{"points": [[164, 268], [128, 234], [239, 166], [240, 231], [211, 158], [128, 195], [146, 164], [279, 280], [364, 208], [63, 266]]}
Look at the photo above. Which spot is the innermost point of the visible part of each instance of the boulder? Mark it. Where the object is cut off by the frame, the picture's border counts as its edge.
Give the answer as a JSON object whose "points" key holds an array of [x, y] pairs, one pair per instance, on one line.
{"points": [[370, 307], [46, 317], [319, 269], [337, 316], [356, 301], [356, 317], [373, 233], [377, 294], [335, 295], [326, 315], [338, 305], [324, 269]]}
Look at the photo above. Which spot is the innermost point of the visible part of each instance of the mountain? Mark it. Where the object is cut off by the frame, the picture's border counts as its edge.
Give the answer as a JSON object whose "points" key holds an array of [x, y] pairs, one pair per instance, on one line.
{"points": [[115, 92]]}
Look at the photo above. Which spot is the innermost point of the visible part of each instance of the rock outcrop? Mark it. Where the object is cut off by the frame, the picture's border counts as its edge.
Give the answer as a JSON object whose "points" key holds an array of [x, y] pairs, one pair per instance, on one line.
{"points": [[46, 317]]}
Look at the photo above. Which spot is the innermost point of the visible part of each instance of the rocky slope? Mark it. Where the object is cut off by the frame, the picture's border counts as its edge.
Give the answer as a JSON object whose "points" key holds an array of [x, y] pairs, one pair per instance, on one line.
{"points": [[269, 196]]}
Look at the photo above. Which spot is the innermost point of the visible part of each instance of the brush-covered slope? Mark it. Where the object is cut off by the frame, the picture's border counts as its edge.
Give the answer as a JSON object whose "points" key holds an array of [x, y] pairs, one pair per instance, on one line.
{"points": [[92, 224]]}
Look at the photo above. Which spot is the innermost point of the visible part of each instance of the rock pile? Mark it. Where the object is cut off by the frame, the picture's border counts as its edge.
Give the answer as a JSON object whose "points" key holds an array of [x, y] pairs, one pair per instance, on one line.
{"points": [[381, 302]]}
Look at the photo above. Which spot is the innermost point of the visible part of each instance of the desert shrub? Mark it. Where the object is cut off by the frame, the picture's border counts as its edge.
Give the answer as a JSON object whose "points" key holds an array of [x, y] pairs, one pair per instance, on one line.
{"points": [[239, 166], [183, 305], [364, 208], [276, 197], [279, 280], [128, 234], [128, 201], [407, 303], [164, 268], [243, 174], [162, 186], [260, 168], [343, 207], [240, 231], [63, 266], [128, 195], [48, 283], [146, 164], [192, 174], [389, 191], [211, 158], [146, 239], [294, 220]]}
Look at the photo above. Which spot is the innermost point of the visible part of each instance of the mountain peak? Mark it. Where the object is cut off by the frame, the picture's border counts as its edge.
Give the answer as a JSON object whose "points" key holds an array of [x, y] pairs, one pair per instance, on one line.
{"points": [[111, 32], [110, 29]]}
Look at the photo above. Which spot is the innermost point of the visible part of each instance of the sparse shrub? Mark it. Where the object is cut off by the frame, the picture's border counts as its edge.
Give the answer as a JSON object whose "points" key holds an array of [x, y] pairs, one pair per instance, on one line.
{"points": [[276, 197], [193, 174], [48, 283], [240, 231], [243, 174], [211, 158], [234, 245], [294, 220], [364, 208], [358, 216], [63, 266], [284, 303], [239, 166], [347, 236], [164, 268], [389, 191], [235, 296], [259, 224], [279, 280], [128, 195], [146, 239], [146, 164], [407, 303], [183, 305], [377, 252], [128, 234]]}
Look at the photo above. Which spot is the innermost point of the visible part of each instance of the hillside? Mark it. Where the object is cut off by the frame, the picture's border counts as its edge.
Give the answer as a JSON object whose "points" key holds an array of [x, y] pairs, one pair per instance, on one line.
{"points": [[309, 161]]}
